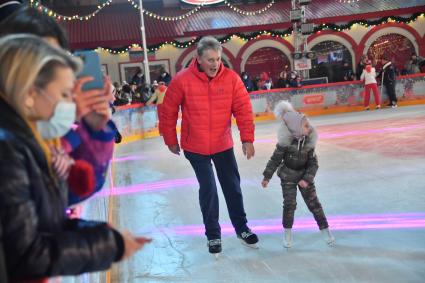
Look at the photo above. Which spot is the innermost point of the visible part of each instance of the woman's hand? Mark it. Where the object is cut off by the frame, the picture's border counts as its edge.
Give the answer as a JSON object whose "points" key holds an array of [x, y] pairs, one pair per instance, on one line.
{"points": [[93, 105], [132, 244], [61, 163]]}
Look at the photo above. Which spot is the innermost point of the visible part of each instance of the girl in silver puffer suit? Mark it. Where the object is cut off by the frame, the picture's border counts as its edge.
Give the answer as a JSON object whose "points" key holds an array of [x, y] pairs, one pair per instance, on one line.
{"points": [[296, 164]]}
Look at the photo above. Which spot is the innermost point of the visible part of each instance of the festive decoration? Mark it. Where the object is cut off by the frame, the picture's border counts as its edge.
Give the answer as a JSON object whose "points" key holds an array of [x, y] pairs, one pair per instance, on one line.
{"points": [[252, 13], [191, 12], [57, 16], [366, 23], [177, 44], [204, 2], [281, 34], [245, 37], [166, 18], [133, 3]]}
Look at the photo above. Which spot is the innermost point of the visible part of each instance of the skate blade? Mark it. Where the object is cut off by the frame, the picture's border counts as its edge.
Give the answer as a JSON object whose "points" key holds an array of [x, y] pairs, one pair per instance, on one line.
{"points": [[216, 256], [252, 246], [287, 246]]}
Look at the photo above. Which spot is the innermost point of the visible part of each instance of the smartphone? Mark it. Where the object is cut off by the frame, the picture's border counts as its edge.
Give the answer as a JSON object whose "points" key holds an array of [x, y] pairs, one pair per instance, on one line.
{"points": [[91, 68]]}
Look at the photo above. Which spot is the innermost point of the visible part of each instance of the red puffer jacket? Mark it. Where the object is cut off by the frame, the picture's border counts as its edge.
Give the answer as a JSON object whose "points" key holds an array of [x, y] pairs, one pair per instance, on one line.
{"points": [[207, 106]]}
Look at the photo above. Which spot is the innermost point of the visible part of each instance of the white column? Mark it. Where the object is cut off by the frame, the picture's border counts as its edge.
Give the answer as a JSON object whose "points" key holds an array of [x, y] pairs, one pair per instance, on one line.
{"points": [[145, 49]]}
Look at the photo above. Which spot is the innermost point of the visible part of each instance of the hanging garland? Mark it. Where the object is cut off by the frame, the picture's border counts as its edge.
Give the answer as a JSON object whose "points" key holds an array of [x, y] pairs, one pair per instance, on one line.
{"points": [[198, 7], [281, 34], [166, 18], [50, 12], [366, 24], [57, 16], [177, 44], [253, 13]]}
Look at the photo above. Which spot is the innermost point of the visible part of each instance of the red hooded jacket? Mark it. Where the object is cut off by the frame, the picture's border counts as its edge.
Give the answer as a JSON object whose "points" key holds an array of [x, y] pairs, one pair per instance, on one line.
{"points": [[207, 107]]}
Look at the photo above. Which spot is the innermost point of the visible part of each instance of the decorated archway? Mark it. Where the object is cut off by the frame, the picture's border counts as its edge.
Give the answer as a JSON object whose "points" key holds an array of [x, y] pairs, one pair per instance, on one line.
{"points": [[403, 30], [266, 59], [394, 46], [330, 57], [264, 41]]}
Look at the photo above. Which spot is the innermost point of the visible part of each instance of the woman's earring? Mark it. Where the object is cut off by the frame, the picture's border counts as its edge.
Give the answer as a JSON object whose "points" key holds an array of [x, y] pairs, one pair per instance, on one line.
{"points": [[29, 102]]}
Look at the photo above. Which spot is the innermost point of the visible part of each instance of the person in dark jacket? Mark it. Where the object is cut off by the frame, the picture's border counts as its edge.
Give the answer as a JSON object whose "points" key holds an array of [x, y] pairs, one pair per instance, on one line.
{"points": [[388, 79], [249, 85], [36, 83], [296, 163], [164, 77], [138, 78], [3, 270], [361, 65], [413, 65], [348, 72], [7, 8], [82, 155], [283, 80]]}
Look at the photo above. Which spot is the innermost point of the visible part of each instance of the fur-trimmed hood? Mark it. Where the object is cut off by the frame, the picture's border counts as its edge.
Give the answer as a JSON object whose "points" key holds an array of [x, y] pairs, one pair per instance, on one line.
{"points": [[285, 137]]}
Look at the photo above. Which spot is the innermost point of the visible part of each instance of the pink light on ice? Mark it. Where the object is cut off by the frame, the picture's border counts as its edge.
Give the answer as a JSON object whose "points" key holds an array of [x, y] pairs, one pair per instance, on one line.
{"points": [[147, 187], [337, 223]]}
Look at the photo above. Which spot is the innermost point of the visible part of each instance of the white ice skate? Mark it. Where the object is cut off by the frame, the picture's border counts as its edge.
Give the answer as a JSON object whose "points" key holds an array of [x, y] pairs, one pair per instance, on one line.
{"points": [[328, 237], [287, 241]]}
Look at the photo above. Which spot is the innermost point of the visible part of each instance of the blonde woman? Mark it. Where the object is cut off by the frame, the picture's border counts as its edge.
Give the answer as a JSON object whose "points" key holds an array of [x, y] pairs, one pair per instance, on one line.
{"points": [[36, 81]]}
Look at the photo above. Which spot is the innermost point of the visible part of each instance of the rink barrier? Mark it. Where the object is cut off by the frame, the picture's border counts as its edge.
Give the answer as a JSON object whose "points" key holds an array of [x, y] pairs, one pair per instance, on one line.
{"points": [[138, 121]]}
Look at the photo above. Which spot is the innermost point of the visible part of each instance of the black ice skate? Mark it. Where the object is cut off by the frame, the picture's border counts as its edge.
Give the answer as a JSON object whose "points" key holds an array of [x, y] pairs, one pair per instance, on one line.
{"points": [[214, 247], [248, 239]]}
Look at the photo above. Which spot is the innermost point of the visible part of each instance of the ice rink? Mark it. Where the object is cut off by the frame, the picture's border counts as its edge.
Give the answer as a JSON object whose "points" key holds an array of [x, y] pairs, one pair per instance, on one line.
{"points": [[371, 183]]}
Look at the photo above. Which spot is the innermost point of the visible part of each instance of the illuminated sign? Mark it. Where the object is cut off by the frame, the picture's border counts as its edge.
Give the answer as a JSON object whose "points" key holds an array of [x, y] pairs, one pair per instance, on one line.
{"points": [[200, 2], [314, 99]]}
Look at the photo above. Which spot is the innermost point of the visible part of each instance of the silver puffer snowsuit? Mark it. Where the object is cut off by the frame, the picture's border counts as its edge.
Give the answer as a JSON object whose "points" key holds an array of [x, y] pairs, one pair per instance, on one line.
{"points": [[296, 160]]}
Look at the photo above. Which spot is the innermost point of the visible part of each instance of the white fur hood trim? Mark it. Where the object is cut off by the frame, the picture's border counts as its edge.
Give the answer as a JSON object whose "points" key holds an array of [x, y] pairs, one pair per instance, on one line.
{"points": [[285, 138]]}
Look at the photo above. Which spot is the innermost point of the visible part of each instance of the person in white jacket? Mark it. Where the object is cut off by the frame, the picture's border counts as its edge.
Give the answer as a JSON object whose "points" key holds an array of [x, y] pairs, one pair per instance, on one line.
{"points": [[369, 78]]}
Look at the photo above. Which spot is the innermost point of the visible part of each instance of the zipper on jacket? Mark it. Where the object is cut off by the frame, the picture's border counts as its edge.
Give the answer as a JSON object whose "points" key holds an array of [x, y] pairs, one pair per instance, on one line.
{"points": [[209, 114]]}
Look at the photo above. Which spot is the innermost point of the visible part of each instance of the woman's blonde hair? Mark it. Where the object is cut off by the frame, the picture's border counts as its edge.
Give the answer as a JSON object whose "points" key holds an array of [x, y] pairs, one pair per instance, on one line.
{"points": [[28, 61]]}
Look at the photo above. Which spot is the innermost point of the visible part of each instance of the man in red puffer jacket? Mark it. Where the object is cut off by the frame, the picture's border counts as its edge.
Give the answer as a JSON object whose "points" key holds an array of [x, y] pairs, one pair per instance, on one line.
{"points": [[208, 94]]}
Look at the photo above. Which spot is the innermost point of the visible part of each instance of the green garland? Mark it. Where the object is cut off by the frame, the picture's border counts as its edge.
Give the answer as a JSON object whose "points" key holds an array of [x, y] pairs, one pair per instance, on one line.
{"points": [[274, 33], [246, 36]]}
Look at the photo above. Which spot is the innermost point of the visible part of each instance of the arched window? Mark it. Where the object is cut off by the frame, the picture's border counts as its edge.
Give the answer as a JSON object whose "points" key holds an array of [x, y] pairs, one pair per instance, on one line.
{"points": [[330, 58], [266, 59], [397, 47]]}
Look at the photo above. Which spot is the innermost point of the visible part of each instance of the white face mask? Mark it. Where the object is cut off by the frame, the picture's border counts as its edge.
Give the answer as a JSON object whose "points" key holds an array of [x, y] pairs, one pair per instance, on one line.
{"points": [[61, 122]]}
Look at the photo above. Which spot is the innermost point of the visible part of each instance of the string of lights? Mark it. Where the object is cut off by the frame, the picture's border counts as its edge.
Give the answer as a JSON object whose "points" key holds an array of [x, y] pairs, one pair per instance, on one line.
{"points": [[198, 7], [367, 24], [51, 13], [166, 18], [281, 34], [348, 1], [251, 13], [133, 3]]}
